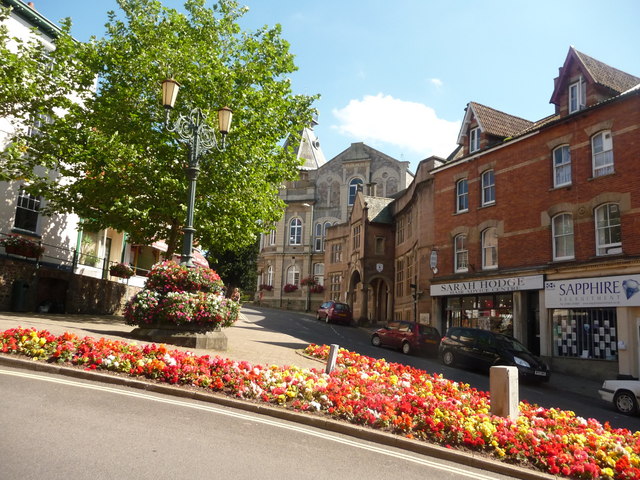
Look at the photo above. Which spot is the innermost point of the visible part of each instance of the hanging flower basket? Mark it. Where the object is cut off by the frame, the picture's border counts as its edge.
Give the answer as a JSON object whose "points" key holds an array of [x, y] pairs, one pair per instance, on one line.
{"points": [[17, 245], [309, 281], [121, 270]]}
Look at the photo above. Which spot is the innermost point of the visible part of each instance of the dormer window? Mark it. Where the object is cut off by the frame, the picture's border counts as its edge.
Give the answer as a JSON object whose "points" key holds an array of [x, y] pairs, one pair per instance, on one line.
{"points": [[474, 140], [577, 96]]}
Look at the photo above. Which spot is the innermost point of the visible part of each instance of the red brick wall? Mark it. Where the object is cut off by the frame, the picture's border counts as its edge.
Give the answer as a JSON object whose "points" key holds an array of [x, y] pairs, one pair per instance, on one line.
{"points": [[525, 192]]}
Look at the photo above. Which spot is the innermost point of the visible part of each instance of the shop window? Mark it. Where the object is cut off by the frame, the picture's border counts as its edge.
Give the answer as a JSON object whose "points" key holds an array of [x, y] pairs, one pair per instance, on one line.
{"points": [[492, 312], [585, 333]]}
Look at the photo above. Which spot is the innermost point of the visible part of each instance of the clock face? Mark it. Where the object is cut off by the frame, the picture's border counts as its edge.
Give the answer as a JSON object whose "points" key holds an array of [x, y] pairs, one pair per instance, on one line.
{"points": [[379, 267]]}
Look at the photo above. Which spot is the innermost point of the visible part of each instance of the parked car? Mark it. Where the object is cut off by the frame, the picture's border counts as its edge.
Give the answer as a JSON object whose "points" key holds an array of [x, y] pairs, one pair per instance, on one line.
{"points": [[624, 394], [478, 348], [408, 336], [334, 312]]}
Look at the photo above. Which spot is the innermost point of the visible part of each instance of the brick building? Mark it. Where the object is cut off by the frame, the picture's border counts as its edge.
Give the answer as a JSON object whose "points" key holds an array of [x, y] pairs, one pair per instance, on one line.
{"points": [[538, 224]]}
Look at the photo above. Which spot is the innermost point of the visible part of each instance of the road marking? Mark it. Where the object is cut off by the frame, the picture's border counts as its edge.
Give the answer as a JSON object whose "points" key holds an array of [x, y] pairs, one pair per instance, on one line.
{"points": [[256, 419]]}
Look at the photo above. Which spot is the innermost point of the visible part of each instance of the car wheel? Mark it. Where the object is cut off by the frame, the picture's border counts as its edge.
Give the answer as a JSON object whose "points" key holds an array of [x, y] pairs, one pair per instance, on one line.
{"points": [[448, 358], [625, 402], [375, 341], [406, 348]]}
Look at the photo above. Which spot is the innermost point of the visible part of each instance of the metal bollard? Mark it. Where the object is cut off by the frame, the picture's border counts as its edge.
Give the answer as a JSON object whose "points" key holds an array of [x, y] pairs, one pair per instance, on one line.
{"points": [[331, 360], [503, 383]]}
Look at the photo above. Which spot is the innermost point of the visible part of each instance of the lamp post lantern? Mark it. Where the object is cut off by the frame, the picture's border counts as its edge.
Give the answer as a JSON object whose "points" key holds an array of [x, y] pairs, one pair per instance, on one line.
{"points": [[194, 130]]}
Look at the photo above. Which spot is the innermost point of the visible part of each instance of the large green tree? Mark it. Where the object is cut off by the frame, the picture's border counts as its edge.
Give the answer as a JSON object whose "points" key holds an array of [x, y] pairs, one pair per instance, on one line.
{"points": [[108, 157]]}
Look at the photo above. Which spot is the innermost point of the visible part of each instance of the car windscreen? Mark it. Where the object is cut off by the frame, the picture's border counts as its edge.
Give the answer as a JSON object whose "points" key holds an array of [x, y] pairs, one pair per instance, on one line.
{"points": [[511, 344]]}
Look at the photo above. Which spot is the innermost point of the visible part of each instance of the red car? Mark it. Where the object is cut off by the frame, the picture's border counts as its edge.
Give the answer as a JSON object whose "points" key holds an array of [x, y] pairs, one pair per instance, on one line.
{"points": [[334, 312], [408, 336]]}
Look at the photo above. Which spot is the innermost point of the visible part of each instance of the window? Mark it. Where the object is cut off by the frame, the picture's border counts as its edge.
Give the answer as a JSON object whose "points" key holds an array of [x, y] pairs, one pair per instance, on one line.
{"points": [[462, 196], [585, 333], [490, 248], [293, 275], [335, 286], [269, 275], [561, 166], [400, 277], [90, 248], [295, 231], [318, 240], [562, 226], [318, 273], [336, 253], [410, 273], [461, 253], [379, 245], [356, 237], [400, 230], [608, 232], [577, 96], [410, 224], [27, 211], [488, 188], [326, 226], [272, 237], [353, 189], [39, 121], [602, 149], [474, 140]]}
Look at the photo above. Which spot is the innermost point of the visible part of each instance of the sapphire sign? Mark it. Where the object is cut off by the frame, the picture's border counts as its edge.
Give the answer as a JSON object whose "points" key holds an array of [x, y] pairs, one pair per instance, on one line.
{"points": [[619, 291]]}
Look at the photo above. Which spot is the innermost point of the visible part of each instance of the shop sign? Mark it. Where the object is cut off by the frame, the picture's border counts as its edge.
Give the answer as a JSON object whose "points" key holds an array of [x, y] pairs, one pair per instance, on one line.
{"points": [[491, 285], [619, 291]]}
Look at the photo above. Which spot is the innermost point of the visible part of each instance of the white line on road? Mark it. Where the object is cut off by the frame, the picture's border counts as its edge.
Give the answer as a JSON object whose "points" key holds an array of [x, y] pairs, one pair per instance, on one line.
{"points": [[257, 419]]}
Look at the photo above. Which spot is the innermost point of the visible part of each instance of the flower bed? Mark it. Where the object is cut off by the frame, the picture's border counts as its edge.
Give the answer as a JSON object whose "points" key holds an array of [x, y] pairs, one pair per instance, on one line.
{"points": [[370, 392]]}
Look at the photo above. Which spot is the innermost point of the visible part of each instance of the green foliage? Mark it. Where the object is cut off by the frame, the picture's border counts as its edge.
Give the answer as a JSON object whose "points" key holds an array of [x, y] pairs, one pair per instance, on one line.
{"points": [[237, 267], [122, 169]]}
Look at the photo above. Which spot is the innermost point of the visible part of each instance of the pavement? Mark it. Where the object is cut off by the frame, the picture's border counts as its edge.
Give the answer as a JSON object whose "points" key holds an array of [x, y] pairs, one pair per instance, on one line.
{"points": [[249, 341]]}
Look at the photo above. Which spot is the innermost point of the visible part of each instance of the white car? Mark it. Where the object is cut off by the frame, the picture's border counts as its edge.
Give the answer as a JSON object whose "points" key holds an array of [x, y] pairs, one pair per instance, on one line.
{"points": [[624, 394]]}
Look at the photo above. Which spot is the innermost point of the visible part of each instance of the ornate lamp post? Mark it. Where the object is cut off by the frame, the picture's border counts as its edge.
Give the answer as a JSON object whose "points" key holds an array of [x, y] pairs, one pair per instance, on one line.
{"points": [[201, 138]]}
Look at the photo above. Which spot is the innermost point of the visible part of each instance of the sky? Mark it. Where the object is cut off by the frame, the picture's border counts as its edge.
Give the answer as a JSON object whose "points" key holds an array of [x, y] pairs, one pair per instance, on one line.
{"points": [[397, 75]]}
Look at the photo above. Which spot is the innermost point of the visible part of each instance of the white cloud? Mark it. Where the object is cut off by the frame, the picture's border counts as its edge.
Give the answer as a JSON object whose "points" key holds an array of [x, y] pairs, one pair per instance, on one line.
{"points": [[436, 82], [407, 125]]}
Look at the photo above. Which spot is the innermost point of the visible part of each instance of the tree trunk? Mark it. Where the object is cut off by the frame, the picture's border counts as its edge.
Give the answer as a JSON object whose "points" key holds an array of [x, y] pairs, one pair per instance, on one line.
{"points": [[172, 241]]}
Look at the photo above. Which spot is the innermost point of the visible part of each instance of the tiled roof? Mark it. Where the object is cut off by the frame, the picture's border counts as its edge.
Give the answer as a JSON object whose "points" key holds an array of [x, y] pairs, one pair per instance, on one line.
{"points": [[495, 122], [378, 209], [605, 75]]}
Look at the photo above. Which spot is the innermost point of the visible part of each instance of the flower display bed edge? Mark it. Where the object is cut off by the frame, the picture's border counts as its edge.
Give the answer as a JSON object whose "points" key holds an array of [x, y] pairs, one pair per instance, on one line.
{"points": [[369, 392]]}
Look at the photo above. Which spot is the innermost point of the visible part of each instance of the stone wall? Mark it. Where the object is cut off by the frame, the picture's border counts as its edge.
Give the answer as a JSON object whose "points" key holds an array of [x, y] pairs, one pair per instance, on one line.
{"points": [[28, 287]]}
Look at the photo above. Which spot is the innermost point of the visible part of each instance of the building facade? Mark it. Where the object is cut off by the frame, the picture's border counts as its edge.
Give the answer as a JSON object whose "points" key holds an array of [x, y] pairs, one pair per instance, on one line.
{"points": [[538, 224], [318, 203]]}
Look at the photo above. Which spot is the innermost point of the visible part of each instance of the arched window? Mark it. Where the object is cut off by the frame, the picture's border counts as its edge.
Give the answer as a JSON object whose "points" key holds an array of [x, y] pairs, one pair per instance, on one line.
{"points": [[269, 279], [462, 196], [561, 166], [353, 189], [602, 153], [295, 231], [461, 260], [490, 248], [608, 229], [293, 275], [562, 226]]}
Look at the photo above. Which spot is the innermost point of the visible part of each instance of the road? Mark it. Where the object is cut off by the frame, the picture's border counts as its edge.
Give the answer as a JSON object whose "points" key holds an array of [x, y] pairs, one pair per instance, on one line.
{"points": [[57, 428], [309, 330]]}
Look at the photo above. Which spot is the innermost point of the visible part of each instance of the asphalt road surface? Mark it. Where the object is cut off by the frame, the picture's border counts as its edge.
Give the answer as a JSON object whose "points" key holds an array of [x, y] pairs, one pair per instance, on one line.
{"points": [[309, 330], [59, 428]]}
